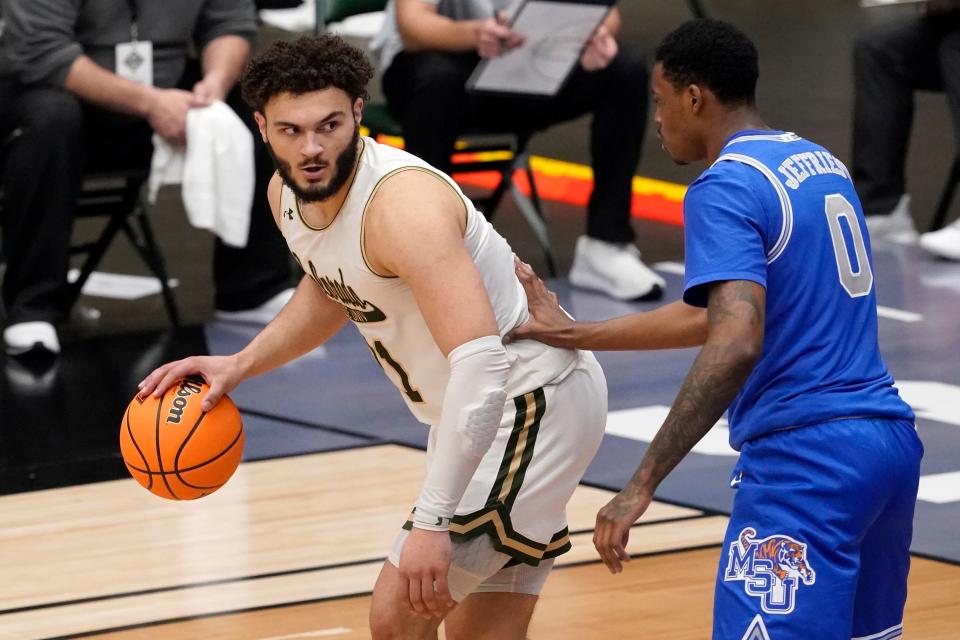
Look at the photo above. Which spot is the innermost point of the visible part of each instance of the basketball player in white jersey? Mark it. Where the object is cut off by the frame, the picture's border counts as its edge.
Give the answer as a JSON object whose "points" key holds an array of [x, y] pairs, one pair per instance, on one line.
{"points": [[391, 244]]}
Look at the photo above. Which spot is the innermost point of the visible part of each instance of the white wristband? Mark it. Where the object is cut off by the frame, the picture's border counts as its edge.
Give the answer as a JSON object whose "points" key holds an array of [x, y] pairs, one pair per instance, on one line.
{"points": [[429, 521]]}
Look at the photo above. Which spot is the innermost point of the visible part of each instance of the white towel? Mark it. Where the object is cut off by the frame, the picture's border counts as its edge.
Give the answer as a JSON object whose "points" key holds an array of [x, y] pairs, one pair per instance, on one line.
{"points": [[166, 167], [217, 172]]}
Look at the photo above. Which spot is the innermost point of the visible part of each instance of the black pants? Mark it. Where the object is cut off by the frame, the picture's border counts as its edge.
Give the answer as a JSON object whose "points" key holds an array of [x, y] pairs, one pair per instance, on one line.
{"points": [[426, 92], [42, 169], [891, 61]]}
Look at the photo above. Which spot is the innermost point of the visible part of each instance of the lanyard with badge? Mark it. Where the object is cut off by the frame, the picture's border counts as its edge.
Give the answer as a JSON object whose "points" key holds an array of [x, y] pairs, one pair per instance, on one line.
{"points": [[135, 58]]}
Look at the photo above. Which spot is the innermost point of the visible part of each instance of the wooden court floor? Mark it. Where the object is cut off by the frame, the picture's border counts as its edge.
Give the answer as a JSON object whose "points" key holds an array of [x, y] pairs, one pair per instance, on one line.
{"points": [[291, 546], [667, 596]]}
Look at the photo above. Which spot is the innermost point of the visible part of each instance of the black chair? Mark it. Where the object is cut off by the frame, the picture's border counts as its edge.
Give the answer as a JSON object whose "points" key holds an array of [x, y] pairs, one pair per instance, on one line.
{"points": [[946, 196], [118, 196]]}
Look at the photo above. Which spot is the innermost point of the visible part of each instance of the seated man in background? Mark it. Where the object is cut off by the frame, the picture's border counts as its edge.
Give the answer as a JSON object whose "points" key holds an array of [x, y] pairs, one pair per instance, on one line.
{"points": [[80, 107], [428, 50], [891, 61]]}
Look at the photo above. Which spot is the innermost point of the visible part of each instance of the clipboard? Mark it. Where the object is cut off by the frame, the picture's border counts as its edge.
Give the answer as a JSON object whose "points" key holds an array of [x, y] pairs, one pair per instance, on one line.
{"points": [[556, 32]]}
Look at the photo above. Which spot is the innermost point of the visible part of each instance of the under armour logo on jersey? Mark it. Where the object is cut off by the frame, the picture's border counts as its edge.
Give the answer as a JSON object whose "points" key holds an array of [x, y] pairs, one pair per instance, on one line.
{"points": [[757, 630]]}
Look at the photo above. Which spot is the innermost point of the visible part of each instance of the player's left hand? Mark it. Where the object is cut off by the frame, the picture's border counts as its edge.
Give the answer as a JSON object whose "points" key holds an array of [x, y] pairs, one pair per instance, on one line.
{"points": [[548, 322], [424, 564], [601, 49], [612, 531]]}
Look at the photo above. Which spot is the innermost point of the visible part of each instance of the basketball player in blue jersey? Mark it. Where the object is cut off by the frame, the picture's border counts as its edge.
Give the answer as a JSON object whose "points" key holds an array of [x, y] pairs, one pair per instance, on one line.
{"points": [[778, 254]]}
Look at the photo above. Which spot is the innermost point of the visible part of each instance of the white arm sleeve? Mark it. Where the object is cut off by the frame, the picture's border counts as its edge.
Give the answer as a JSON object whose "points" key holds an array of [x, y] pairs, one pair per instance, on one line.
{"points": [[472, 410]]}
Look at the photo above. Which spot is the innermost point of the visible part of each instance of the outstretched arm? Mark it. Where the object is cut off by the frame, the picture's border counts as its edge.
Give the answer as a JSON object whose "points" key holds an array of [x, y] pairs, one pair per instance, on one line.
{"points": [[735, 316], [671, 326]]}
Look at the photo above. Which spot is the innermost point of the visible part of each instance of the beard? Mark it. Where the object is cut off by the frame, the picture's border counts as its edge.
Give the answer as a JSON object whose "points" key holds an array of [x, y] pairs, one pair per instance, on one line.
{"points": [[342, 167]]}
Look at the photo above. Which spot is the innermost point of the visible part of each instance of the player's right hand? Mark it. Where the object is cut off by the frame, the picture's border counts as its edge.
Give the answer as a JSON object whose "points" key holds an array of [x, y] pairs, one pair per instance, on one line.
{"points": [[612, 531], [221, 373], [548, 322]]}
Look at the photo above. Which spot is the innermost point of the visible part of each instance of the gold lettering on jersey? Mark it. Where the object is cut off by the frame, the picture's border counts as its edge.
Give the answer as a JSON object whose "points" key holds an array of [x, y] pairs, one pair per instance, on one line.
{"points": [[356, 308]]}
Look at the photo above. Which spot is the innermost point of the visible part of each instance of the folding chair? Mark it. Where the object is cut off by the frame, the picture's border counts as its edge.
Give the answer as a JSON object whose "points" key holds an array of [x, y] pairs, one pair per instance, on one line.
{"points": [[119, 197]]}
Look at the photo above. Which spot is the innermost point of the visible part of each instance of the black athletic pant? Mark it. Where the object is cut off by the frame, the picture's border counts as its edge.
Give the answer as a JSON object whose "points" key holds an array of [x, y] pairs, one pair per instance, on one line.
{"points": [[61, 139], [891, 61], [425, 91]]}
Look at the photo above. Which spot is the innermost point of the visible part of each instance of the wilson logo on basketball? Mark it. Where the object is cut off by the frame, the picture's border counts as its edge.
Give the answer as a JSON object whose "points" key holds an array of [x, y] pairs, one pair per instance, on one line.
{"points": [[187, 388]]}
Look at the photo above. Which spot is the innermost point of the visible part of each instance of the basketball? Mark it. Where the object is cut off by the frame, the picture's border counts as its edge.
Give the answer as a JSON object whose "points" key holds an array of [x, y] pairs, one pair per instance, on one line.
{"points": [[175, 449]]}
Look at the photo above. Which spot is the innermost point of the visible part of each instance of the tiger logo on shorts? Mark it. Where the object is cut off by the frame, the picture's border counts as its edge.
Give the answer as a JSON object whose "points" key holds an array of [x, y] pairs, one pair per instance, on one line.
{"points": [[771, 568]]}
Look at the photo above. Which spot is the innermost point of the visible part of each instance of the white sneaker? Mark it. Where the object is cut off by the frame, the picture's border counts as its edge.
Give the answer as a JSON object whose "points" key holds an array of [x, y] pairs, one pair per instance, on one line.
{"points": [[22, 337], [944, 243], [258, 315], [614, 269], [897, 227]]}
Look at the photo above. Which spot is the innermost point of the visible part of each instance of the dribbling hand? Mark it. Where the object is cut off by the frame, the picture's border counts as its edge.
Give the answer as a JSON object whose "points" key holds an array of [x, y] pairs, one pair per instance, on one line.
{"points": [[221, 373]]}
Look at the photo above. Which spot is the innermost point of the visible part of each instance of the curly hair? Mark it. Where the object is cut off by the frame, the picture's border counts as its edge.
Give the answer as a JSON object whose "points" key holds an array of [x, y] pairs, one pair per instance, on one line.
{"points": [[713, 54], [304, 65]]}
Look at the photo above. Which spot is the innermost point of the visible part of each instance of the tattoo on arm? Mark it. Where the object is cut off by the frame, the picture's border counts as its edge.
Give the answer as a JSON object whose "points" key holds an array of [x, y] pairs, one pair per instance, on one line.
{"points": [[735, 315]]}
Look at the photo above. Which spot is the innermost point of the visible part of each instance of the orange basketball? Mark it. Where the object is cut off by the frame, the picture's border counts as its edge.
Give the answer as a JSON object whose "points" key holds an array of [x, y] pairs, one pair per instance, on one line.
{"points": [[177, 451]]}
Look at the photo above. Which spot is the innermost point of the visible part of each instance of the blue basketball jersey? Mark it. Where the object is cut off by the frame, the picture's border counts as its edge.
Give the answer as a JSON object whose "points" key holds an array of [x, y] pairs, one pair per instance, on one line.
{"points": [[781, 211]]}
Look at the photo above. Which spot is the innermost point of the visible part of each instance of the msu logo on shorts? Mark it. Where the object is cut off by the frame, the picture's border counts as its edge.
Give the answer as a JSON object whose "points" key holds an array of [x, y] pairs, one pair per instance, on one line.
{"points": [[771, 568]]}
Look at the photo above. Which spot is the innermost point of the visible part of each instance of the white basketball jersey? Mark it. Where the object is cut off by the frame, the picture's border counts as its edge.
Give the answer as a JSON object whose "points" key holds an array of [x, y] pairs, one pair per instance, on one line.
{"points": [[384, 309]]}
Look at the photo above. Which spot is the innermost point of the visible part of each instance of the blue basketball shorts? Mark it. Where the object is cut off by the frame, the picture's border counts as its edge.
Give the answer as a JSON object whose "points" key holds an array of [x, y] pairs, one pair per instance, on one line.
{"points": [[818, 544]]}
